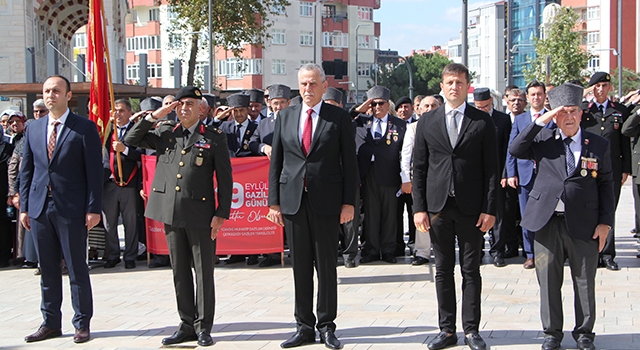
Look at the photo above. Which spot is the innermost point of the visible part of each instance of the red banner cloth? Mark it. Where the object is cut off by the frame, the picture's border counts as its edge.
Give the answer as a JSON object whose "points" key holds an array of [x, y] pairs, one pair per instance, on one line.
{"points": [[97, 71], [247, 231]]}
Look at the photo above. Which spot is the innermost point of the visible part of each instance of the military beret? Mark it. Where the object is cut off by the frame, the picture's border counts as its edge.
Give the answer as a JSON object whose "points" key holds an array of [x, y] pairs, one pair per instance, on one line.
{"points": [[402, 100], [279, 91], [295, 101], [238, 100], [599, 77], [565, 95], [379, 92], [255, 95], [151, 103], [332, 94], [211, 100], [189, 91], [481, 94]]}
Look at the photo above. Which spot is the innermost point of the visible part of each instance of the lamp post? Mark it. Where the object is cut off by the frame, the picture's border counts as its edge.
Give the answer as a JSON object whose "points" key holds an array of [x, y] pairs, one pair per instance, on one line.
{"points": [[211, 43], [465, 52], [357, 75], [620, 92]]}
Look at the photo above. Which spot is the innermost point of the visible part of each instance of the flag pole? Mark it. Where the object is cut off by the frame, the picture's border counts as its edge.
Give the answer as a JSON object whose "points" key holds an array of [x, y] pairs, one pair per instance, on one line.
{"points": [[110, 82]]}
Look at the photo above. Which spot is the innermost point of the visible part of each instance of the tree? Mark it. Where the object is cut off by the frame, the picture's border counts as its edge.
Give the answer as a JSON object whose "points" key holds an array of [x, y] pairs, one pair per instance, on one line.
{"points": [[235, 23], [427, 72], [630, 80], [562, 45]]}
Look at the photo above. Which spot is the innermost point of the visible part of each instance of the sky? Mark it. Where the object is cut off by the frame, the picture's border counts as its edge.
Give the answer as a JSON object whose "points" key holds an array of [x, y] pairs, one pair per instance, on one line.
{"points": [[419, 24]]}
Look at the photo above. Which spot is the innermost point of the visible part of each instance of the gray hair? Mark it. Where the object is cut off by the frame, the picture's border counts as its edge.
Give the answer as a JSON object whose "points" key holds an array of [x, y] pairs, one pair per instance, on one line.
{"points": [[39, 103], [516, 92], [313, 66]]}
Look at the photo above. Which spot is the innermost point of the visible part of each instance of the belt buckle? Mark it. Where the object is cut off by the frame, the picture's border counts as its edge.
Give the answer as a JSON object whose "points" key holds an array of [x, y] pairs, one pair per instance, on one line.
{"points": [[452, 194]]}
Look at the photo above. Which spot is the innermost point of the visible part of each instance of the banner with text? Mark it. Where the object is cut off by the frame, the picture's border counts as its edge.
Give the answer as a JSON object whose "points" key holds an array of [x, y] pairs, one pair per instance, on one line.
{"points": [[247, 231]]}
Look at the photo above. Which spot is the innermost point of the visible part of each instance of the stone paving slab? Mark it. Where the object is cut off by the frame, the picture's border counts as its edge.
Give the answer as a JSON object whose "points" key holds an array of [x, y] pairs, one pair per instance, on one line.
{"points": [[381, 306]]}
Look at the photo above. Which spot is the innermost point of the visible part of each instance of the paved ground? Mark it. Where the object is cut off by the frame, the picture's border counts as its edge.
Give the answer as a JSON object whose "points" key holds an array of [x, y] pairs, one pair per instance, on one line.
{"points": [[381, 306]]}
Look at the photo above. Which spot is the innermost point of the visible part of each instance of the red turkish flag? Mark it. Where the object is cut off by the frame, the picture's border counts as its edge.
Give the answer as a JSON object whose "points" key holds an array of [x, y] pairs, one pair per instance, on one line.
{"points": [[98, 98]]}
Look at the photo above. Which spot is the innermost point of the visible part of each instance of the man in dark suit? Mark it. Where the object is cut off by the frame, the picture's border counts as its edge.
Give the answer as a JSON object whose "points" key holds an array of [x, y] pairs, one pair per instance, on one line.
{"points": [[311, 196], [256, 99], [183, 197], [240, 128], [404, 108], [378, 144], [61, 199], [504, 232], [120, 193], [605, 118], [522, 172], [262, 138], [570, 209], [631, 129], [455, 177]]}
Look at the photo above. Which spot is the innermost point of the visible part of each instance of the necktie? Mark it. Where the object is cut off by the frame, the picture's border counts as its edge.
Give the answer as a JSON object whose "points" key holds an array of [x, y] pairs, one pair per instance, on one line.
{"points": [[186, 134], [601, 109], [453, 128], [535, 116], [377, 134], [121, 131], [238, 136], [571, 160], [306, 133], [51, 146]]}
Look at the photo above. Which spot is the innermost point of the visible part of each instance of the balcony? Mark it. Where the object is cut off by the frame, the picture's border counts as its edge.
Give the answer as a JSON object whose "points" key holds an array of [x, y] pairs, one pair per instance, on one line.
{"points": [[336, 16]]}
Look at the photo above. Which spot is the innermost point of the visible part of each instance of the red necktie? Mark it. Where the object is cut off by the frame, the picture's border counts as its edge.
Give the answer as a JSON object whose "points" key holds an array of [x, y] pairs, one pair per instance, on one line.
{"points": [[535, 116], [306, 133], [52, 139]]}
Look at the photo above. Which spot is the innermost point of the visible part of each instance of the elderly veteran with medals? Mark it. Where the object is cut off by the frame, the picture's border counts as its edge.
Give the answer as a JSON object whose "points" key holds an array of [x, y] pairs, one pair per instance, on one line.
{"points": [[240, 129], [570, 208], [182, 197]]}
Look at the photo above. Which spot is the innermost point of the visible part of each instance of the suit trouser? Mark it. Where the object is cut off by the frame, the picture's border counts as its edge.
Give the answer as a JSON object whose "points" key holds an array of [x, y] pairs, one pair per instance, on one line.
{"points": [[405, 199], [58, 237], [504, 231], [120, 201], [527, 236], [423, 244], [313, 239], [28, 245], [552, 245], [446, 226], [609, 250], [379, 225], [349, 231], [636, 201], [187, 246], [6, 238]]}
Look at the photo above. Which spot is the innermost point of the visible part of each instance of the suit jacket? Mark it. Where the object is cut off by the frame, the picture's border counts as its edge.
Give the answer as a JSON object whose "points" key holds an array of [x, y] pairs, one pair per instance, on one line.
{"points": [[182, 193], [502, 122], [235, 149], [631, 129], [329, 168], [524, 169], [588, 194], [263, 135], [129, 162], [386, 150], [609, 126], [74, 172], [473, 163]]}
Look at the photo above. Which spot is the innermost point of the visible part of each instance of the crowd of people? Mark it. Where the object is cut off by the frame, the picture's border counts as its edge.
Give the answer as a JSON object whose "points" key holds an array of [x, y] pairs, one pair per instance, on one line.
{"points": [[545, 179]]}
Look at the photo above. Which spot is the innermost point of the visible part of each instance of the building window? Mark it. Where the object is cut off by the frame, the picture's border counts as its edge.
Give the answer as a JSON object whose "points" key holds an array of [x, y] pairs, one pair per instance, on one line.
{"points": [[154, 70], [277, 36], [278, 67], [594, 63], [335, 39], [137, 43], [593, 38], [80, 40], [474, 62], [235, 68], [278, 10], [175, 41], [364, 41], [154, 14], [306, 9], [365, 13], [306, 38], [303, 62], [593, 13], [171, 13], [364, 69], [132, 71]]}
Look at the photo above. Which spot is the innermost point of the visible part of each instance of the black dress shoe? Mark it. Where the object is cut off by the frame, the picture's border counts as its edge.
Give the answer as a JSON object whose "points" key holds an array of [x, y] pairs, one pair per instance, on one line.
{"points": [[252, 260], [349, 263], [442, 340], [111, 263], [418, 260], [298, 339], [610, 264], [204, 339], [82, 335], [129, 264], [234, 259], [498, 261], [584, 343], [160, 261], [29, 265], [474, 341], [389, 258], [368, 258], [330, 341], [43, 333], [268, 261], [179, 337], [550, 343]]}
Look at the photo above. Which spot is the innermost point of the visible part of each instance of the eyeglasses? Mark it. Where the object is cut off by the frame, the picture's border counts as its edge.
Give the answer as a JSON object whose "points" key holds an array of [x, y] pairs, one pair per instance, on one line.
{"points": [[379, 103]]}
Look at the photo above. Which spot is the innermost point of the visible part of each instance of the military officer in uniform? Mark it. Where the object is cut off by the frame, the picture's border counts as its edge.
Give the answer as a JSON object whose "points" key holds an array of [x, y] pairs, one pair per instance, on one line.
{"points": [[603, 117], [182, 197]]}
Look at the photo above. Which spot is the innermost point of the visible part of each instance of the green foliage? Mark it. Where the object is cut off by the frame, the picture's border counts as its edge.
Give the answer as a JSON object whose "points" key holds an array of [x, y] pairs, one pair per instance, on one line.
{"points": [[630, 80], [234, 22], [427, 71], [562, 45]]}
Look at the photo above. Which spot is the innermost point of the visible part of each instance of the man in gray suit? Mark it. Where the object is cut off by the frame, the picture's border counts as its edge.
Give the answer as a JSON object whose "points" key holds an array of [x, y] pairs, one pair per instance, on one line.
{"points": [[311, 196], [182, 196]]}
